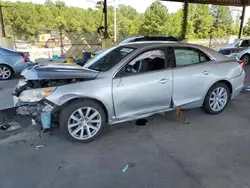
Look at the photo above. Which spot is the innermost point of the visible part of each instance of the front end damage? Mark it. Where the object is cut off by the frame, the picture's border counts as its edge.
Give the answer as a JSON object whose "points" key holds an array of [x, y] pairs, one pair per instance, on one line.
{"points": [[38, 83], [41, 113]]}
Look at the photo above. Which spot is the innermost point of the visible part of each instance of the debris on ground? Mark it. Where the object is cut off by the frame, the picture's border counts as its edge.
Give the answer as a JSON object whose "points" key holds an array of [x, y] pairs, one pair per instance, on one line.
{"points": [[186, 121], [38, 147], [141, 122], [178, 114], [247, 88], [134, 130], [12, 126], [4, 126], [12, 144], [127, 166]]}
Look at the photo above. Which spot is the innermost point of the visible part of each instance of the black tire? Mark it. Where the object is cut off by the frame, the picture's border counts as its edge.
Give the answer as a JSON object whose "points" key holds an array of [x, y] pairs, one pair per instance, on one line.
{"points": [[68, 110], [206, 106], [246, 59], [6, 67]]}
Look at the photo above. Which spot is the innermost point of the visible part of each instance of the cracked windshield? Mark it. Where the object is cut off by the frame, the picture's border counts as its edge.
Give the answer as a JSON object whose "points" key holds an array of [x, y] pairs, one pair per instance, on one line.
{"points": [[124, 93]]}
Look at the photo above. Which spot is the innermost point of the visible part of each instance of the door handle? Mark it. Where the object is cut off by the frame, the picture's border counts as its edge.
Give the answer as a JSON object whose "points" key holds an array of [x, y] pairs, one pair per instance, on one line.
{"points": [[163, 81], [206, 72]]}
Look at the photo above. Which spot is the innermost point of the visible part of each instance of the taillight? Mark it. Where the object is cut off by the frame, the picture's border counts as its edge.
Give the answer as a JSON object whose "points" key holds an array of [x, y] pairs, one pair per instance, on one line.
{"points": [[25, 59], [242, 64]]}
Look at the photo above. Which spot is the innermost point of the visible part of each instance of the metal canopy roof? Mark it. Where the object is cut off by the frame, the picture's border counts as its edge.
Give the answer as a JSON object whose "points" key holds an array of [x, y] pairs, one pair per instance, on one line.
{"points": [[239, 3]]}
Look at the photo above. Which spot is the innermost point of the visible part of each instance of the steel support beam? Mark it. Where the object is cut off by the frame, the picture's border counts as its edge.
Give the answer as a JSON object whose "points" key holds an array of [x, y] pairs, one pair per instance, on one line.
{"points": [[3, 34], [105, 19], [242, 19], [185, 20]]}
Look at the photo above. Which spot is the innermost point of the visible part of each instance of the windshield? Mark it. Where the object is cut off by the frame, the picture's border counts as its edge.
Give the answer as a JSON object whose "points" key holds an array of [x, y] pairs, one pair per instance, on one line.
{"points": [[235, 43], [107, 59]]}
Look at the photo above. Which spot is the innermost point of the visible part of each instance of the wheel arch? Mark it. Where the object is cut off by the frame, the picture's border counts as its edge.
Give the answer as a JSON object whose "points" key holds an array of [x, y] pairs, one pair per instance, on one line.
{"points": [[228, 84], [82, 99], [246, 53], [8, 67]]}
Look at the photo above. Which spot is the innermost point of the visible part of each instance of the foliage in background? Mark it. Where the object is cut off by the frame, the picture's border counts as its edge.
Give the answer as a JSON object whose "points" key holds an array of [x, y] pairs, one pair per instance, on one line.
{"points": [[247, 28], [27, 20], [223, 21]]}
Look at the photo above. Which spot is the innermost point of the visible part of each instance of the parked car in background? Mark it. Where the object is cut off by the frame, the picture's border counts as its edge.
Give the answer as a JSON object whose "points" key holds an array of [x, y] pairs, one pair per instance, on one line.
{"points": [[129, 82], [12, 62], [144, 38], [240, 49]]}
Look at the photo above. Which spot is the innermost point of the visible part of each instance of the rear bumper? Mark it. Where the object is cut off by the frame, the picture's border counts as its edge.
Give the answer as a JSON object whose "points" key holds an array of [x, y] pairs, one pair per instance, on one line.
{"points": [[237, 84], [21, 67]]}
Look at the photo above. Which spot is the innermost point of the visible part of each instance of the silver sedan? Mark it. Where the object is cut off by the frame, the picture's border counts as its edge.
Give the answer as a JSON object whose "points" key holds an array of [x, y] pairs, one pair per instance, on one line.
{"points": [[129, 82]]}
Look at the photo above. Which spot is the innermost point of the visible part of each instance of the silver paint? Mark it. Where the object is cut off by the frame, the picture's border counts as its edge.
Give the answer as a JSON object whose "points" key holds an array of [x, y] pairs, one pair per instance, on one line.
{"points": [[140, 95]]}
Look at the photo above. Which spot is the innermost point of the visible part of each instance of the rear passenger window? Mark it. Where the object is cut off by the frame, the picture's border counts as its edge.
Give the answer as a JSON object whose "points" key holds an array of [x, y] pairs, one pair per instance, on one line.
{"points": [[189, 56]]}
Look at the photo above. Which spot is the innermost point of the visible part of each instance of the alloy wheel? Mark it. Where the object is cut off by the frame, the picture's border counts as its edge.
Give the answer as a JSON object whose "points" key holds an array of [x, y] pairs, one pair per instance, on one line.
{"points": [[218, 99], [84, 123], [5, 73]]}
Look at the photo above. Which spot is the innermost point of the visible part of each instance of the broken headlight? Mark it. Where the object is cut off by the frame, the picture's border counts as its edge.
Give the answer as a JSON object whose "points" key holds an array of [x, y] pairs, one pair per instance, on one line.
{"points": [[35, 95]]}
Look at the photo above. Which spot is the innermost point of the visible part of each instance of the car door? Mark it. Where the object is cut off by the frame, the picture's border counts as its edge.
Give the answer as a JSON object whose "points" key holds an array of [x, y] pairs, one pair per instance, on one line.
{"points": [[192, 75], [143, 85]]}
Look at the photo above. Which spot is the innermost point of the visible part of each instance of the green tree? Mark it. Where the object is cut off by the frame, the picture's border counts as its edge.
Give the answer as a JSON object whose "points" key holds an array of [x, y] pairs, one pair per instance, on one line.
{"points": [[156, 20], [203, 21], [237, 24], [247, 28], [223, 21], [199, 21], [175, 20]]}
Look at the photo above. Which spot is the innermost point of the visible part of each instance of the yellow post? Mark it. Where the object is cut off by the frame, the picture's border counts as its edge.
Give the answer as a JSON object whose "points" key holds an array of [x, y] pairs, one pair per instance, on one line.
{"points": [[69, 60]]}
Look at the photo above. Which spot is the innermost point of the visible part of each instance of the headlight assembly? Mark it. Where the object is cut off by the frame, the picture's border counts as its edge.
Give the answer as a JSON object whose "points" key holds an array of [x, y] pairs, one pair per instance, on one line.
{"points": [[35, 95]]}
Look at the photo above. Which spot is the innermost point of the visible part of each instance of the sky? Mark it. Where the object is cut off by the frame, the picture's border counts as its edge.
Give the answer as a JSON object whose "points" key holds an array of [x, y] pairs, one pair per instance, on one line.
{"points": [[139, 5]]}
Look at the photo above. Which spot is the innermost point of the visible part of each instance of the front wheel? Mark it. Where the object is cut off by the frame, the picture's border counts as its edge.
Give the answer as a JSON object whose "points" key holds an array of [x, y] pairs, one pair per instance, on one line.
{"points": [[82, 120], [246, 59], [216, 99]]}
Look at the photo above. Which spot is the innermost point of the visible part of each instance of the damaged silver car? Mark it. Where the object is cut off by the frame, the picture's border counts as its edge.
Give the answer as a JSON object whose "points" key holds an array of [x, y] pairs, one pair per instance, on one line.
{"points": [[129, 82]]}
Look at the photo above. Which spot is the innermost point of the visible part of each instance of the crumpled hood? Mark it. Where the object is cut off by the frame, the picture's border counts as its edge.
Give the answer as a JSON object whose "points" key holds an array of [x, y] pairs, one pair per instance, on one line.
{"points": [[58, 71]]}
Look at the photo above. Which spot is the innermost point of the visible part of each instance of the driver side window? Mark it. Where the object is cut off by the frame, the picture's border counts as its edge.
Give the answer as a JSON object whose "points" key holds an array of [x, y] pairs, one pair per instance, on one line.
{"points": [[148, 61]]}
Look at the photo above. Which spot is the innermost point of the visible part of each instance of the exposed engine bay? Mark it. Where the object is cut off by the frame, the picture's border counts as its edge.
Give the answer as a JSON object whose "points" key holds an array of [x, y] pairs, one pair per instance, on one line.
{"points": [[36, 84]]}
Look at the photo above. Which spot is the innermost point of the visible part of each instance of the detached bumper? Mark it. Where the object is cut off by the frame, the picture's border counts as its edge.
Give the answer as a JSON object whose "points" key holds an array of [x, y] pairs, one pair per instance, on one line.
{"points": [[41, 112]]}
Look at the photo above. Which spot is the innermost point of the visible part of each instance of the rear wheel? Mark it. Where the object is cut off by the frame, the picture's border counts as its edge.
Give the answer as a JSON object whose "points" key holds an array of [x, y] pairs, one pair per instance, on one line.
{"points": [[246, 59], [5, 72], [216, 99], [82, 120]]}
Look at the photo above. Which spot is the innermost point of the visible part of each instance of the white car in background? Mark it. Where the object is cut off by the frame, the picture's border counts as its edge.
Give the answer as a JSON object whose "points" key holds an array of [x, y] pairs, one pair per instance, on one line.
{"points": [[239, 49]]}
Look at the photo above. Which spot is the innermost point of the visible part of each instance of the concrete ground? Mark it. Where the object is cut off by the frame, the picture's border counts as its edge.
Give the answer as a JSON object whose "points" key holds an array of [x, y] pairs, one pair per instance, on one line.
{"points": [[6, 89], [212, 151]]}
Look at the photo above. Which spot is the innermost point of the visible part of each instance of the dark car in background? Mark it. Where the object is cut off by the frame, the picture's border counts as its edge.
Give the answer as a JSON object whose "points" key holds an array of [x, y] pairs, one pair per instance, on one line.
{"points": [[144, 38]]}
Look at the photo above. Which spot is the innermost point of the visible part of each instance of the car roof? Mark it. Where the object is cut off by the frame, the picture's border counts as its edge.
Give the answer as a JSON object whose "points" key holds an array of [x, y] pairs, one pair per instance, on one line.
{"points": [[149, 38], [147, 44]]}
